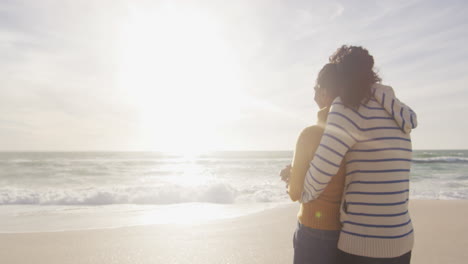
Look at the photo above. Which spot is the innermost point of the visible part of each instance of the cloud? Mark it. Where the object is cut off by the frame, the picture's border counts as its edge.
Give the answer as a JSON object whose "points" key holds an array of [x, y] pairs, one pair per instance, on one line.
{"points": [[339, 11], [59, 62]]}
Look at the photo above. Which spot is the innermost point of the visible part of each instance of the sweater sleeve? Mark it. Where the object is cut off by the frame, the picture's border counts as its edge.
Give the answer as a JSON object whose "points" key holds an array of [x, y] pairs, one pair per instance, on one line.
{"points": [[306, 146], [339, 136], [404, 116]]}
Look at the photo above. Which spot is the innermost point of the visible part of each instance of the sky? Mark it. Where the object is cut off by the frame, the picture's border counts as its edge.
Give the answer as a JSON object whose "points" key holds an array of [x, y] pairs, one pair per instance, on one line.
{"points": [[126, 75]]}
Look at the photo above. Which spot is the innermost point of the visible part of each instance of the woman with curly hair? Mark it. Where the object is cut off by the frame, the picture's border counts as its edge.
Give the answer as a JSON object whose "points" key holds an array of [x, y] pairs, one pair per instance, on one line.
{"points": [[367, 130]]}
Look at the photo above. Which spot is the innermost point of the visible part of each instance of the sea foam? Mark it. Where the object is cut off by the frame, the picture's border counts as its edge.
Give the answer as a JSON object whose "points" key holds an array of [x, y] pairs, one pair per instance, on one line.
{"points": [[219, 193]]}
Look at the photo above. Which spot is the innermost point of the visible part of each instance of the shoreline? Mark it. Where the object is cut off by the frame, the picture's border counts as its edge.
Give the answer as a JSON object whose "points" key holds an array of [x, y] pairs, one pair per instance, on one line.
{"points": [[228, 211], [441, 236], [52, 218]]}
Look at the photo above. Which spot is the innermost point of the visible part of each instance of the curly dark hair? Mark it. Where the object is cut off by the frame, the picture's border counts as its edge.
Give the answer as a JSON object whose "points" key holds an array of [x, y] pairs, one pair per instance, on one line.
{"points": [[355, 67]]}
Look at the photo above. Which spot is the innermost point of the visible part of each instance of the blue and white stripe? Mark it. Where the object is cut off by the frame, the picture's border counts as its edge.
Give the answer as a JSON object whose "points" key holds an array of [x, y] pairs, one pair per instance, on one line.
{"points": [[375, 144]]}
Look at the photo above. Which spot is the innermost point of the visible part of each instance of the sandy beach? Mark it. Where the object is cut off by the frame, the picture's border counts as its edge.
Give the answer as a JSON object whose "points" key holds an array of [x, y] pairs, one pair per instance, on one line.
{"points": [[265, 237]]}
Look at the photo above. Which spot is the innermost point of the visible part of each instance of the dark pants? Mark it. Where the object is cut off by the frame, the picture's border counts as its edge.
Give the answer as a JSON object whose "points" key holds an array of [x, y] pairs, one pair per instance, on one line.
{"points": [[347, 258], [315, 246]]}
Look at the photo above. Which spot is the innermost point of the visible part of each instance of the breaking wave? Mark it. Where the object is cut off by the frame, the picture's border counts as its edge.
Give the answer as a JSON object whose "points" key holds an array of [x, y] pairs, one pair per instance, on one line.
{"points": [[219, 193], [441, 160]]}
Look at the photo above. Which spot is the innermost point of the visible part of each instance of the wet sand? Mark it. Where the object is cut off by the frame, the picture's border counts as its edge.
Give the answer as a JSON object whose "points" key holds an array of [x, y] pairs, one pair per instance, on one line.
{"points": [[441, 232]]}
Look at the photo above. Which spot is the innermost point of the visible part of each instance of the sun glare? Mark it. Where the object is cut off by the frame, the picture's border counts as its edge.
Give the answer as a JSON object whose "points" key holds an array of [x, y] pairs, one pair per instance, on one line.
{"points": [[181, 75]]}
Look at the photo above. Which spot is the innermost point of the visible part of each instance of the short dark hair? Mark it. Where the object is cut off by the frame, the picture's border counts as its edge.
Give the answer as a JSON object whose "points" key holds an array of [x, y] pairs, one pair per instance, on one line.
{"points": [[328, 80], [355, 66]]}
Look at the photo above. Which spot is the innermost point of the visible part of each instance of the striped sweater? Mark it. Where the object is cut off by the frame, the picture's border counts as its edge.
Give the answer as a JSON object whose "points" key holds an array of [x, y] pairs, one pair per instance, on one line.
{"points": [[375, 144]]}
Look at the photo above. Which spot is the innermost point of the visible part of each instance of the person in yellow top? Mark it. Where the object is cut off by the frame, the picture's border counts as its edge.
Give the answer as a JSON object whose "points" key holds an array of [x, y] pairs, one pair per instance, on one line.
{"points": [[316, 237]]}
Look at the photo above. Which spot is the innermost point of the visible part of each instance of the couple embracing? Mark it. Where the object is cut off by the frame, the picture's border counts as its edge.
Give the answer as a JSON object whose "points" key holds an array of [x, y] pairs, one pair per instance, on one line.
{"points": [[350, 172]]}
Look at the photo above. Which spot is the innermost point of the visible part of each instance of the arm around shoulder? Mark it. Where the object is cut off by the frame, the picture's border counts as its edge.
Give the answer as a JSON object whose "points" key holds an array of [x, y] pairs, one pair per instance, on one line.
{"points": [[339, 136], [306, 146]]}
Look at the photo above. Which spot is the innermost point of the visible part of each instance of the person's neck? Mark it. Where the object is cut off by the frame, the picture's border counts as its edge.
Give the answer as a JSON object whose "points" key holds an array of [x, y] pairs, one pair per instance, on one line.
{"points": [[322, 115]]}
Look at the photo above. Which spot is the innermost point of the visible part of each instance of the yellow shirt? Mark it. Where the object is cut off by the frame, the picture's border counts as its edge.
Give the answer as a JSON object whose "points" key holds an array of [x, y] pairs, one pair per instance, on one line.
{"points": [[324, 212]]}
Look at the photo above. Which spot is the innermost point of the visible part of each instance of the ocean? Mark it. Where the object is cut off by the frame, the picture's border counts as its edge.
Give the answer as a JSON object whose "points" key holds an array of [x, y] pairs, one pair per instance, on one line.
{"points": [[54, 191]]}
